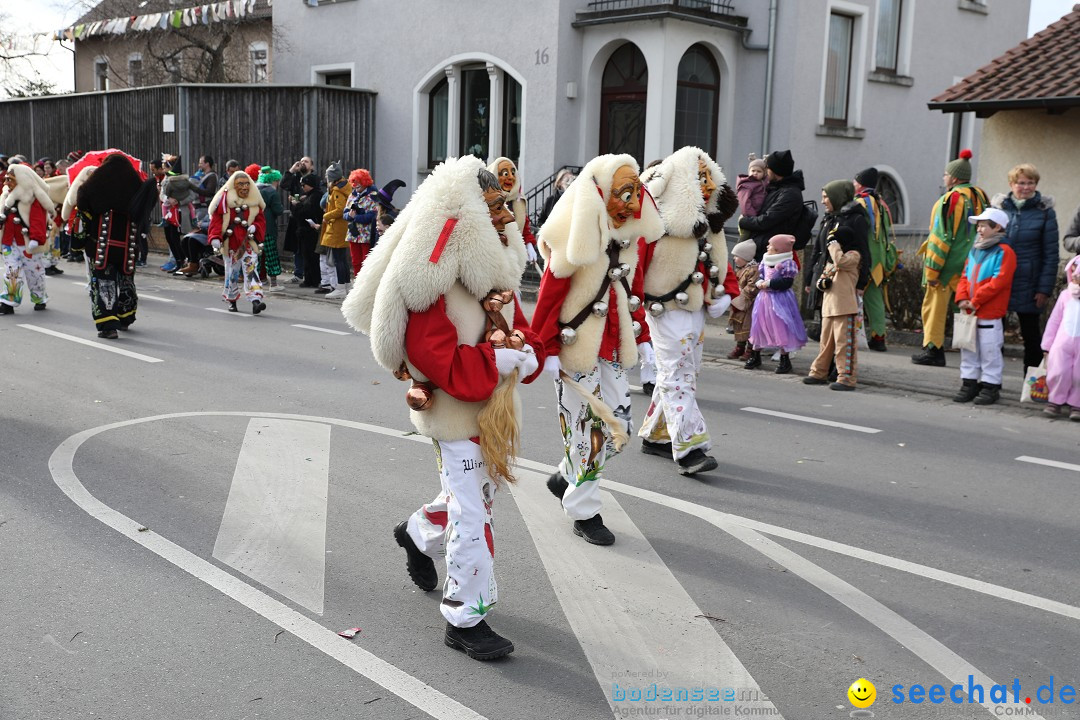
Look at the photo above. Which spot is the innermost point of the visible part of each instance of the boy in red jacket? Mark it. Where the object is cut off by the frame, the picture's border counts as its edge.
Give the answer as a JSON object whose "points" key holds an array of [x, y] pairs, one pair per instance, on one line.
{"points": [[984, 290]]}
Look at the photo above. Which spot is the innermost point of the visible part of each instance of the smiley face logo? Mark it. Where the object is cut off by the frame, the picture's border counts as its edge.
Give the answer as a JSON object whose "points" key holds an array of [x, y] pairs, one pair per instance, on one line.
{"points": [[862, 693]]}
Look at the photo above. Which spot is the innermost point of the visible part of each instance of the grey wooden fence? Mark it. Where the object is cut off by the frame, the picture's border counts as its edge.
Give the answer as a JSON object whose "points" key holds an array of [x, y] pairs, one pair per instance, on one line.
{"points": [[267, 124]]}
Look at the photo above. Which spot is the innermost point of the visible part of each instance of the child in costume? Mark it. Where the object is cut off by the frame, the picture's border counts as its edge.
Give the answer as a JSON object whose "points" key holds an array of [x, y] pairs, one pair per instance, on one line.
{"points": [[1061, 342], [839, 307], [438, 298], [984, 290], [742, 307], [776, 321]]}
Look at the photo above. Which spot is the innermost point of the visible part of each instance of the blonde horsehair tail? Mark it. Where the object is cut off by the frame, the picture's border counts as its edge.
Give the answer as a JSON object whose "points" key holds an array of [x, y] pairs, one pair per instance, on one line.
{"points": [[601, 410], [499, 431]]}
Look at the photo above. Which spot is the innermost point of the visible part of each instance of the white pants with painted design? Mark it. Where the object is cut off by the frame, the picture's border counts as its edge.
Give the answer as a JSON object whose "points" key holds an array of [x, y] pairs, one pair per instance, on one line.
{"points": [[459, 524], [19, 270], [986, 365], [673, 415], [243, 274], [587, 442]]}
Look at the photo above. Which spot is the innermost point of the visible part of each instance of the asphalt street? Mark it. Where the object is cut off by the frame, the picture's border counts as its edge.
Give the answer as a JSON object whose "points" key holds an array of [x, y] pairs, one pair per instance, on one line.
{"points": [[184, 531]]}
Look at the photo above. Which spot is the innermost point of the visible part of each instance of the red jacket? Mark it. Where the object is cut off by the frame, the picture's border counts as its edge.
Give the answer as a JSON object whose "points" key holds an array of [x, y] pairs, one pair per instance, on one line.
{"points": [[987, 281], [239, 232], [39, 226]]}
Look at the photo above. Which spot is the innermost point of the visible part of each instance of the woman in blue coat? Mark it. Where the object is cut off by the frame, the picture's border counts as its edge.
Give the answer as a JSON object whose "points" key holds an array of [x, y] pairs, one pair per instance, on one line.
{"points": [[1032, 233]]}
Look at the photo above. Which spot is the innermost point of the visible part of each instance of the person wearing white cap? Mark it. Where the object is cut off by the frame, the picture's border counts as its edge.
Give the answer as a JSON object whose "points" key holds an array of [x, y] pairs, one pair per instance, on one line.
{"points": [[984, 290]]}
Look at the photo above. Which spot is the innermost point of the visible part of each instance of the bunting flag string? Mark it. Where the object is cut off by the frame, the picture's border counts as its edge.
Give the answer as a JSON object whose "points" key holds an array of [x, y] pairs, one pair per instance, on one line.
{"points": [[202, 14]]}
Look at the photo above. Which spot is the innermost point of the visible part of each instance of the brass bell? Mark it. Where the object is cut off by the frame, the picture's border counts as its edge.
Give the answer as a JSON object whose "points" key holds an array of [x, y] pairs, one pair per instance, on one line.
{"points": [[516, 341], [419, 397], [656, 309], [600, 308], [568, 336], [497, 338], [697, 278], [493, 304], [714, 271], [402, 373], [703, 256], [637, 328], [681, 298], [507, 296], [634, 303]]}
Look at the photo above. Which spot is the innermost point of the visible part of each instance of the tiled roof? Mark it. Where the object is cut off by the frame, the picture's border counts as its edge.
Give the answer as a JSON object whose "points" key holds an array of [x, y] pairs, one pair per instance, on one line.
{"points": [[109, 9], [1041, 72]]}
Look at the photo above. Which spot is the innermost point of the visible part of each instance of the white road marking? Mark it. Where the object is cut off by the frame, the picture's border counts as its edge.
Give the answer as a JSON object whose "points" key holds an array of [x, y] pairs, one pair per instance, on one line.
{"points": [[628, 611], [91, 343], [229, 312], [636, 388], [1049, 463], [400, 683], [148, 296], [274, 526], [815, 421], [325, 330]]}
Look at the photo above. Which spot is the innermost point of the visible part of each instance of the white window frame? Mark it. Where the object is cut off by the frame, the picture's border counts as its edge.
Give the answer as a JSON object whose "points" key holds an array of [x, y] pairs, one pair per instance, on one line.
{"points": [[134, 57], [857, 80], [101, 62], [903, 40], [265, 63], [319, 72]]}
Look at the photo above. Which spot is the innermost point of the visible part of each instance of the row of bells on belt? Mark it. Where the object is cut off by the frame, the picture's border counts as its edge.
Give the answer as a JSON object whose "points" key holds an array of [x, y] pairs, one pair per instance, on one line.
{"points": [[568, 335]]}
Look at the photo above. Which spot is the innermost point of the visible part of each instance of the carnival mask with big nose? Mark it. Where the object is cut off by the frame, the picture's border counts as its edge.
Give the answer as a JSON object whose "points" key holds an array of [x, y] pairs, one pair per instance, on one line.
{"points": [[708, 186], [625, 200], [496, 202], [242, 187], [507, 175]]}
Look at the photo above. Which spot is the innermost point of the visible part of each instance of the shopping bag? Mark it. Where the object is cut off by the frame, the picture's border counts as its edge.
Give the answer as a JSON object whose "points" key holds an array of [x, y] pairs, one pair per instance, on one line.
{"points": [[963, 332], [1035, 389]]}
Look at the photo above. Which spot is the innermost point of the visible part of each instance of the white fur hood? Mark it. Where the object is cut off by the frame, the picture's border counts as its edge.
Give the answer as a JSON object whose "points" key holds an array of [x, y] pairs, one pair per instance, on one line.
{"points": [[404, 273], [675, 185], [29, 187]]}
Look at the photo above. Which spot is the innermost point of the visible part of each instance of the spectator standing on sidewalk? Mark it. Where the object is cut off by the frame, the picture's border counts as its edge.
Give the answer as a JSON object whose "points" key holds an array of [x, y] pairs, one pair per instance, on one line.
{"points": [[839, 307], [361, 212], [944, 253], [1071, 241], [783, 204], [1033, 235], [776, 322], [1061, 341], [269, 179], [335, 263], [881, 261], [308, 213]]}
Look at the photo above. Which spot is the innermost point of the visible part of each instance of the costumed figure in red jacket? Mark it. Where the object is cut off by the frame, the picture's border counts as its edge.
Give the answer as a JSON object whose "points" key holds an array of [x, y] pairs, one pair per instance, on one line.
{"points": [[237, 229], [686, 274], [510, 182], [591, 320], [25, 208], [439, 298], [114, 204]]}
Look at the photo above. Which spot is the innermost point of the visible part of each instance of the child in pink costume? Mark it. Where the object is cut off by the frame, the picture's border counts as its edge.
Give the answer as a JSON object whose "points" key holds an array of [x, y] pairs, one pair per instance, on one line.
{"points": [[1061, 342]]}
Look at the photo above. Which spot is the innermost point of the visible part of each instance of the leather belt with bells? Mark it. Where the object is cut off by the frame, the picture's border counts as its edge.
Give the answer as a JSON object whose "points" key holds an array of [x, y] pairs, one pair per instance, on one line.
{"points": [[598, 305], [696, 277]]}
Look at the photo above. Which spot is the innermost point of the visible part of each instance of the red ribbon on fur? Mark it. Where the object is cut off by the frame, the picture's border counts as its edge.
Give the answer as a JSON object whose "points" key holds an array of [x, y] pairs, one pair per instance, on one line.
{"points": [[443, 237]]}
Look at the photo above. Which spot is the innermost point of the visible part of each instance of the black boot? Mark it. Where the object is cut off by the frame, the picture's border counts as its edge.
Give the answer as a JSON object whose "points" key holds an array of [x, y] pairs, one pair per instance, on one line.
{"points": [[647, 388], [257, 307], [232, 306], [696, 461], [557, 485], [108, 334], [785, 365], [754, 361], [988, 394], [421, 568], [877, 342], [930, 355], [655, 448], [594, 531], [967, 391], [6, 309], [39, 306], [479, 642], [53, 270]]}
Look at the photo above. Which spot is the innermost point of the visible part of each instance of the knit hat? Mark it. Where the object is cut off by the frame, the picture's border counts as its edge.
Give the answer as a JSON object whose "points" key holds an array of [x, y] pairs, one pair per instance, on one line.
{"points": [[782, 243], [755, 162], [780, 162], [334, 172], [75, 155], [840, 193], [960, 168], [993, 214], [745, 250], [268, 175], [868, 177], [311, 180]]}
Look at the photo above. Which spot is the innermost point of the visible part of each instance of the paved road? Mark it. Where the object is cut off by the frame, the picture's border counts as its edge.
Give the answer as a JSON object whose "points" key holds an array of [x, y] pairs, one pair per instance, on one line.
{"points": [[184, 538]]}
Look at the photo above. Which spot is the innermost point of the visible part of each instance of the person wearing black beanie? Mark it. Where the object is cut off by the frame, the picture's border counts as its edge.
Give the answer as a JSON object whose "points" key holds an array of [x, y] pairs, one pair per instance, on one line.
{"points": [[783, 203]]}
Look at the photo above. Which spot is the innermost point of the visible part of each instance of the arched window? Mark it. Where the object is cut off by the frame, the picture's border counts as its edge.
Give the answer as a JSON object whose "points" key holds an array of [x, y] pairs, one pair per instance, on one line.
{"points": [[697, 99], [889, 190], [438, 117], [623, 95]]}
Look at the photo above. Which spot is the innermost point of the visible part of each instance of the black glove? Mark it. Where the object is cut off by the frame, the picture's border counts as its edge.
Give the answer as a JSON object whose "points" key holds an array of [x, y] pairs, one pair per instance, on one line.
{"points": [[726, 205], [700, 228]]}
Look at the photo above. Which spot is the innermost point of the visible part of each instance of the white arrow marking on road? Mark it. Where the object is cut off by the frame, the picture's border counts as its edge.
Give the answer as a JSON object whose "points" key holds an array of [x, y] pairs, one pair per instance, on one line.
{"points": [[91, 343], [627, 609], [1049, 463], [274, 526], [325, 330], [815, 421]]}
